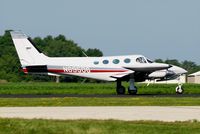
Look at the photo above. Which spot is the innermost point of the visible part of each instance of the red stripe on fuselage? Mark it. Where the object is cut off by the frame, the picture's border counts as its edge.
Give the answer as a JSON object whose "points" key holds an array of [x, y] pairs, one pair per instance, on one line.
{"points": [[91, 71], [55, 71], [106, 71]]}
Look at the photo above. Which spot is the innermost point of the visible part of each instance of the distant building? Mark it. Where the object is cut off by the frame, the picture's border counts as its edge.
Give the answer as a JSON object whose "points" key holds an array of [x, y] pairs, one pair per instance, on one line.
{"points": [[194, 78]]}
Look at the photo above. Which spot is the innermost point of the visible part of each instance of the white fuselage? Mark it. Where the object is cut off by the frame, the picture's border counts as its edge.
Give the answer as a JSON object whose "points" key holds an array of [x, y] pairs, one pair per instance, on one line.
{"points": [[108, 68]]}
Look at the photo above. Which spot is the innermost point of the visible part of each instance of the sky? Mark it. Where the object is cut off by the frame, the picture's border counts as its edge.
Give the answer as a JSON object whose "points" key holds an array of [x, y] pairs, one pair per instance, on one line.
{"points": [[166, 29]]}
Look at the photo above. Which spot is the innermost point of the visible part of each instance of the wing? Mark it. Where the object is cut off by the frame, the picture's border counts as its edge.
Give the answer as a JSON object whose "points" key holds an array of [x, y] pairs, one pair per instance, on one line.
{"points": [[142, 71], [123, 74], [148, 67]]}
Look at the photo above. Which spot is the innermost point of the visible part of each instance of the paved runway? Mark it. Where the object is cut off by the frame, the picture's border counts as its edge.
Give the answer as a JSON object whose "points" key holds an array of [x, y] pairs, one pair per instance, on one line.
{"points": [[165, 113], [94, 95]]}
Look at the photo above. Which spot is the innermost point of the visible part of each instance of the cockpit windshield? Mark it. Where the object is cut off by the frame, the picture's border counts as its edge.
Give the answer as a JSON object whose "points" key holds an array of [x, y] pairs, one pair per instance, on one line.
{"points": [[141, 60], [149, 61]]}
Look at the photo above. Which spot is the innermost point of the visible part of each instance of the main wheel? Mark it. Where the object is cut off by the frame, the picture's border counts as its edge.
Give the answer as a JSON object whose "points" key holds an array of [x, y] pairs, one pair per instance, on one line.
{"points": [[179, 90], [121, 90], [132, 92]]}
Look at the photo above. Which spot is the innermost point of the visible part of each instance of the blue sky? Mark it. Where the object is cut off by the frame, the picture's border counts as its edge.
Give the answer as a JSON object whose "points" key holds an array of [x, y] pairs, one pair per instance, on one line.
{"points": [[155, 28]]}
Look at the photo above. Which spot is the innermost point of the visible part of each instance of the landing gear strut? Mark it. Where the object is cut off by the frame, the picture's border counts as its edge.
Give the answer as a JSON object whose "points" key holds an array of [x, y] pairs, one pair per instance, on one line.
{"points": [[132, 89], [120, 89]]}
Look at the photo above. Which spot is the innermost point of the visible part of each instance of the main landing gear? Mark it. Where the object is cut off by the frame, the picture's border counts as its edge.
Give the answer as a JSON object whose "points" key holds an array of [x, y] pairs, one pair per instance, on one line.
{"points": [[132, 89], [120, 89]]}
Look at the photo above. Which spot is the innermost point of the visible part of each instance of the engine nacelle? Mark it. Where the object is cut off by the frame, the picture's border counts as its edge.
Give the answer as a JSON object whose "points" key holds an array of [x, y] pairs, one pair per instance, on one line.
{"points": [[158, 74]]}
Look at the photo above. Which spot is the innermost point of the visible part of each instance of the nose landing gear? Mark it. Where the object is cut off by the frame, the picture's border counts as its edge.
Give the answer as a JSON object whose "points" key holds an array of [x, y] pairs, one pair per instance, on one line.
{"points": [[179, 89]]}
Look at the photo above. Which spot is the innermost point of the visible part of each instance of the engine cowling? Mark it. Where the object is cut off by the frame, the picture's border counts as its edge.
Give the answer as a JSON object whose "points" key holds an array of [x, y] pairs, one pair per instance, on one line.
{"points": [[158, 74]]}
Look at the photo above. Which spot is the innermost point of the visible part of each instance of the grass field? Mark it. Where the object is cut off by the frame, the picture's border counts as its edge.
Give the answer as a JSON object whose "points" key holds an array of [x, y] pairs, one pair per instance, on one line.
{"points": [[95, 88], [78, 101], [89, 88], [39, 126], [36, 126]]}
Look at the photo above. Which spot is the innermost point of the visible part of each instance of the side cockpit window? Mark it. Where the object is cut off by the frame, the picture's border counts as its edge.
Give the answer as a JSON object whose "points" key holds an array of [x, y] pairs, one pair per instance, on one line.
{"points": [[141, 60]]}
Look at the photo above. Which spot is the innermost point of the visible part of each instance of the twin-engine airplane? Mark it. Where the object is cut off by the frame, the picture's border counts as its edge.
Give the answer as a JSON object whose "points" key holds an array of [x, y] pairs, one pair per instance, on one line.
{"points": [[132, 68]]}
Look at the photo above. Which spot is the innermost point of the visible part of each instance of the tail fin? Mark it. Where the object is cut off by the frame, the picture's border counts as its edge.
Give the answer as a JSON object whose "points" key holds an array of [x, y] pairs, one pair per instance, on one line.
{"points": [[27, 52]]}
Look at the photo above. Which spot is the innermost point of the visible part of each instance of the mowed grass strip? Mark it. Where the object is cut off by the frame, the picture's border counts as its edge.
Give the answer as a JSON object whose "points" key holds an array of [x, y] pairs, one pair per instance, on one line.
{"points": [[44, 88], [37, 126], [75, 101]]}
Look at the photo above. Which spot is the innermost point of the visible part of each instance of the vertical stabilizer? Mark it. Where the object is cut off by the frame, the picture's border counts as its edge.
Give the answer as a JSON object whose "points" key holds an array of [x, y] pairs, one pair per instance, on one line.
{"points": [[27, 52]]}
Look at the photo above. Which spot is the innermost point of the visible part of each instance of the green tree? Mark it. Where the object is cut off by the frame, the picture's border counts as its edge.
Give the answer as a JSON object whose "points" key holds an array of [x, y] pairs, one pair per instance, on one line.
{"points": [[94, 52], [173, 62], [159, 61], [190, 66]]}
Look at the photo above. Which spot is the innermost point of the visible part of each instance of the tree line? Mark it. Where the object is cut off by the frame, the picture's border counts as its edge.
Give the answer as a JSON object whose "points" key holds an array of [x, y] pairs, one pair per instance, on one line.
{"points": [[59, 46]]}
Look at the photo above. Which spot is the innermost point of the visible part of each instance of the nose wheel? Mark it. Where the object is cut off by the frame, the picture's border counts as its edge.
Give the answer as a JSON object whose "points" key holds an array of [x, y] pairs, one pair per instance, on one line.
{"points": [[179, 89]]}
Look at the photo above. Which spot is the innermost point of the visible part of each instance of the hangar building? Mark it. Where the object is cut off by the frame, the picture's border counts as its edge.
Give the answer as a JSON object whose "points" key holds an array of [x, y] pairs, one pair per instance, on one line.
{"points": [[194, 78]]}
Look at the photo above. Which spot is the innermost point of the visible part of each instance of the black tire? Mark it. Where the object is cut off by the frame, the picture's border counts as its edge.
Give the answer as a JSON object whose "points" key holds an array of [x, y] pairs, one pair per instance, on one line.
{"points": [[179, 90], [121, 90], [132, 92]]}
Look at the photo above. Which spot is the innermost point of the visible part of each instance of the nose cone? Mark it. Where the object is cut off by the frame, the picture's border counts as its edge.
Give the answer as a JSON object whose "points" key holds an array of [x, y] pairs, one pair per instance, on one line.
{"points": [[177, 70]]}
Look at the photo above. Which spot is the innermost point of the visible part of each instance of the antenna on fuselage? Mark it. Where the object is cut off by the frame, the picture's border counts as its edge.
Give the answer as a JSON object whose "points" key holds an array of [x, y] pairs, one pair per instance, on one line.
{"points": [[84, 54]]}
